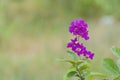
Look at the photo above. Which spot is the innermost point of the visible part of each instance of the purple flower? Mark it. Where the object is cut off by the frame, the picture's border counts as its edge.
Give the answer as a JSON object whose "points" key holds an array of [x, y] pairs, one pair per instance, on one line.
{"points": [[79, 49], [79, 27], [72, 44], [88, 54]]}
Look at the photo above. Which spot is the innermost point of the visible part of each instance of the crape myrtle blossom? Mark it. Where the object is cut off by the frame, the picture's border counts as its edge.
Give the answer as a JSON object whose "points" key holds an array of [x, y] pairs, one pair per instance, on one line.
{"points": [[79, 27], [79, 49]]}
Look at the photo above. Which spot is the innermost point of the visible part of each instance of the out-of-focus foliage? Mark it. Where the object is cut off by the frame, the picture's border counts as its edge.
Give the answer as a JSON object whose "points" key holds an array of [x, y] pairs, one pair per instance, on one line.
{"points": [[111, 66], [36, 13], [21, 14], [35, 10]]}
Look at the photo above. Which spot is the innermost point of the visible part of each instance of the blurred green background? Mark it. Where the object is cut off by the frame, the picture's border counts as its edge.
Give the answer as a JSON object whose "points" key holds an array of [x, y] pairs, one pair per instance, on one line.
{"points": [[34, 34]]}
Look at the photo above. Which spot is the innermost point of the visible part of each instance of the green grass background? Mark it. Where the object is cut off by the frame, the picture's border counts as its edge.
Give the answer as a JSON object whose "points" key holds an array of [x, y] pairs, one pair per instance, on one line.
{"points": [[34, 34]]}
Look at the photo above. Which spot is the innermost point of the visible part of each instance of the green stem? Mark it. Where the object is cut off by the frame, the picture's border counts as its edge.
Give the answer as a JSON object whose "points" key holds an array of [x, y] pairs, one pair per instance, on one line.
{"points": [[78, 38], [79, 74]]}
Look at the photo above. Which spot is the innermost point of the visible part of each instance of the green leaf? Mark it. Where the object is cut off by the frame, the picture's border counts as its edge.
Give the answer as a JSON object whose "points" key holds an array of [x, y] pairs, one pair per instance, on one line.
{"points": [[83, 66], [91, 75], [69, 61], [80, 62], [73, 55], [70, 73], [111, 66], [118, 62], [116, 77], [116, 51]]}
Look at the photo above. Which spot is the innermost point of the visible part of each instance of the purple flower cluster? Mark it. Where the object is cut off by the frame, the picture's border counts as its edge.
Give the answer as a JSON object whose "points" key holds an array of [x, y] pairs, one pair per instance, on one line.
{"points": [[79, 28], [80, 49]]}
